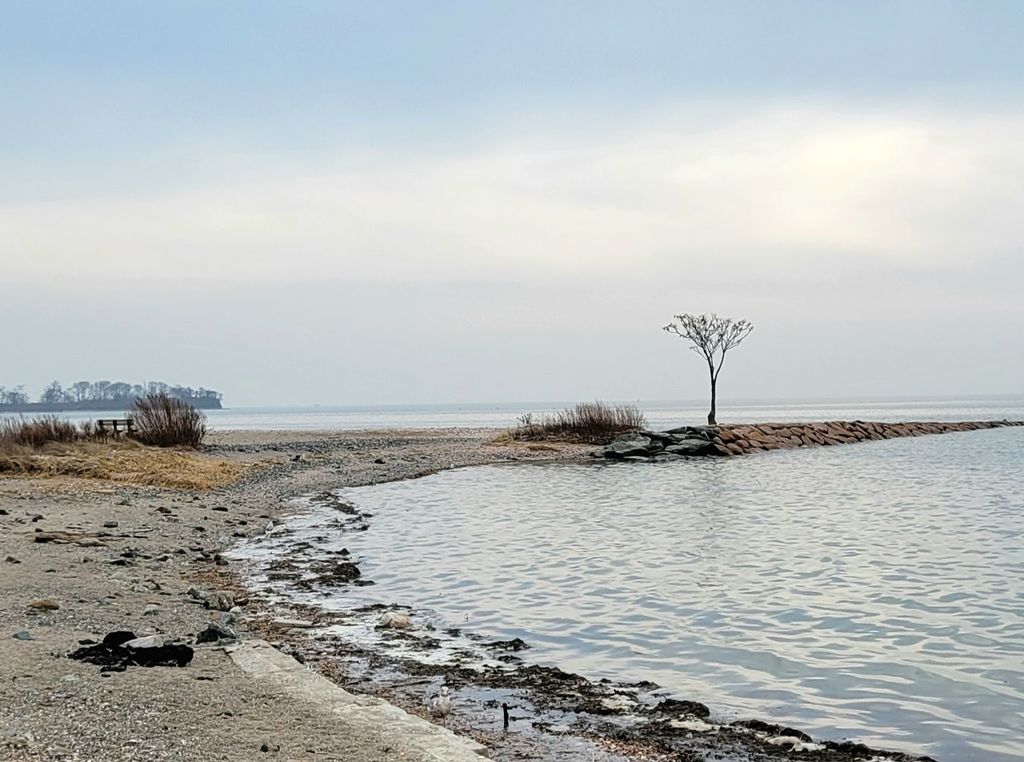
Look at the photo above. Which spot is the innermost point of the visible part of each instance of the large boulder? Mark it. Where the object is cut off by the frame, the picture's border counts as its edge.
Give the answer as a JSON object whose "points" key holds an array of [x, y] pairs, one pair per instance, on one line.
{"points": [[694, 432], [632, 445], [689, 446]]}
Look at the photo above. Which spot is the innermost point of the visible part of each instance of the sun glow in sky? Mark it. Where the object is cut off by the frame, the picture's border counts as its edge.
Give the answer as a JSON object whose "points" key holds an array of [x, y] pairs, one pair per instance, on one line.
{"points": [[439, 202]]}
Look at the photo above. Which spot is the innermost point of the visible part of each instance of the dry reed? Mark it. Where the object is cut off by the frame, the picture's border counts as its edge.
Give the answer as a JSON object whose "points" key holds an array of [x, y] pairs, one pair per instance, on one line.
{"points": [[588, 422]]}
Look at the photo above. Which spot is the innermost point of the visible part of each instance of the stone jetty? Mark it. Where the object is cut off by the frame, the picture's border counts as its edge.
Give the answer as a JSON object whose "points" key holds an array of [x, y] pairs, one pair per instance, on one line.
{"points": [[744, 439]]}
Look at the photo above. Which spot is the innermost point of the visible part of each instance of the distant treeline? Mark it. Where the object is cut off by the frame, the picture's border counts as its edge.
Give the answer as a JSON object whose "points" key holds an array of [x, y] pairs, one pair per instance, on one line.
{"points": [[101, 395]]}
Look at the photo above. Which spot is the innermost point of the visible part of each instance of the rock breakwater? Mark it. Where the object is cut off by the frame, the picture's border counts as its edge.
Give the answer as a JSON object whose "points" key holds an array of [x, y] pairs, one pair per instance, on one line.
{"points": [[744, 439]]}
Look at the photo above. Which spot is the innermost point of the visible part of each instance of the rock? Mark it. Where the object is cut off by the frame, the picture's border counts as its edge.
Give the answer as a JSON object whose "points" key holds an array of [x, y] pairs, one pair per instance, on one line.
{"points": [[689, 447], [631, 445], [44, 604], [216, 632], [379, 461], [217, 600], [394, 620], [110, 525], [11, 560], [220, 600], [22, 635], [230, 617], [151, 610]]}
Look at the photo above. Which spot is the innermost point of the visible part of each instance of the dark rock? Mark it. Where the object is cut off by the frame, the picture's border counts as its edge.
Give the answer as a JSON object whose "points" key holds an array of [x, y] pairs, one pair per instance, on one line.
{"points": [[216, 632], [662, 437], [775, 730], [695, 432], [631, 445], [516, 644], [675, 708], [689, 446], [22, 635]]}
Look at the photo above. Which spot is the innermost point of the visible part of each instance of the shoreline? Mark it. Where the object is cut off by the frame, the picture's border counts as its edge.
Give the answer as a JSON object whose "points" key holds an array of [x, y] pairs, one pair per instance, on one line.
{"points": [[135, 575]]}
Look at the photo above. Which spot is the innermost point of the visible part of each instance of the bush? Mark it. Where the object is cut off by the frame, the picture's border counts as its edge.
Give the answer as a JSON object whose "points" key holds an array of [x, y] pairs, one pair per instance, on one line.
{"points": [[164, 421], [590, 422]]}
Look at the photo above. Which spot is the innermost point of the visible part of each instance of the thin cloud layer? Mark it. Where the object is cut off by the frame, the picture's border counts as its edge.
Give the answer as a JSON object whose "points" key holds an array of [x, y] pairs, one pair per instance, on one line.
{"points": [[929, 190]]}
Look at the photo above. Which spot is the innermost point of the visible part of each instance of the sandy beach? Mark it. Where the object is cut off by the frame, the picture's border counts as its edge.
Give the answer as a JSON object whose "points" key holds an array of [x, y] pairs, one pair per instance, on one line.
{"points": [[86, 557], [128, 559]]}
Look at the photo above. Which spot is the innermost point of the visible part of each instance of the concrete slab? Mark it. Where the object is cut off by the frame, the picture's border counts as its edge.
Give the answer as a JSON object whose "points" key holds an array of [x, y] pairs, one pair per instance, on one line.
{"points": [[368, 716]]}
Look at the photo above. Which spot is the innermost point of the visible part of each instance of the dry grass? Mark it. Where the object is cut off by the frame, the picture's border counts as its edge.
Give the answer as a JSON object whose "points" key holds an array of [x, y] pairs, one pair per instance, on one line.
{"points": [[37, 432], [123, 462], [588, 422]]}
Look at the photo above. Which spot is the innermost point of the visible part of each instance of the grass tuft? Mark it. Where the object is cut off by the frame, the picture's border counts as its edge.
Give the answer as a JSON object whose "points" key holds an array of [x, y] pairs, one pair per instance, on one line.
{"points": [[588, 422]]}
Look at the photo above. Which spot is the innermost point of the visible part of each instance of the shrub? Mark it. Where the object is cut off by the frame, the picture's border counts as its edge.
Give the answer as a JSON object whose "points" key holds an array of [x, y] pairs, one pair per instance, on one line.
{"points": [[591, 422], [164, 421]]}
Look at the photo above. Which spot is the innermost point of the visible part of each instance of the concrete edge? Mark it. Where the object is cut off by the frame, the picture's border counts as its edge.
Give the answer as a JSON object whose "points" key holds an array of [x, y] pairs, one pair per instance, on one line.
{"points": [[362, 715]]}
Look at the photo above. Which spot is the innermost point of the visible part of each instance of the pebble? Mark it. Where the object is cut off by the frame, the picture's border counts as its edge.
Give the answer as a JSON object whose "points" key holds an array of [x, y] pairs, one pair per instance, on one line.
{"points": [[22, 635], [395, 621], [11, 560], [151, 610], [44, 604], [110, 524]]}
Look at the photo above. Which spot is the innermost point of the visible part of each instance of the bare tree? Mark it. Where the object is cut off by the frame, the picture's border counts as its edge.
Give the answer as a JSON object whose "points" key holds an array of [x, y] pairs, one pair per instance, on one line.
{"points": [[711, 337]]}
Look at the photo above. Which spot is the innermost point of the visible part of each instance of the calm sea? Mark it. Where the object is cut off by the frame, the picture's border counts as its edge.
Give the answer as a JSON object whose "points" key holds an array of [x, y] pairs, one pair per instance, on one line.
{"points": [[659, 413]]}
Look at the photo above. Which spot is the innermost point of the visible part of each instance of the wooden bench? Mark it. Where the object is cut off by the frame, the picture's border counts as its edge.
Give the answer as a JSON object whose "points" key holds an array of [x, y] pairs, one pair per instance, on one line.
{"points": [[114, 426]]}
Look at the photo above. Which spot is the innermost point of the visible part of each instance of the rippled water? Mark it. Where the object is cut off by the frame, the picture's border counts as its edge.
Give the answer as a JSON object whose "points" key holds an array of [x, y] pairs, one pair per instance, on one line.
{"points": [[871, 591]]}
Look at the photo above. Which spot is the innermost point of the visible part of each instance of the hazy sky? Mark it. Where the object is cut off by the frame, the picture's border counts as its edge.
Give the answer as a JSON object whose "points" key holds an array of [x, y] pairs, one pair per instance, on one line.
{"points": [[386, 202]]}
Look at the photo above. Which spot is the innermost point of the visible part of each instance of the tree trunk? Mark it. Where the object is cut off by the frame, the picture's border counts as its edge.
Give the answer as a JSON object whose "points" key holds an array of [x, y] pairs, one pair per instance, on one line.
{"points": [[714, 395]]}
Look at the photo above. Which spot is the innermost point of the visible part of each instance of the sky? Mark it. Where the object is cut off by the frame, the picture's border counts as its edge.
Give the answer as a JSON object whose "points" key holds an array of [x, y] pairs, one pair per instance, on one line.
{"points": [[438, 202]]}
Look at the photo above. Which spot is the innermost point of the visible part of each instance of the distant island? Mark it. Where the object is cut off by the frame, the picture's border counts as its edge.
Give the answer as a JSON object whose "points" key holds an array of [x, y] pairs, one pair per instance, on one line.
{"points": [[101, 395]]}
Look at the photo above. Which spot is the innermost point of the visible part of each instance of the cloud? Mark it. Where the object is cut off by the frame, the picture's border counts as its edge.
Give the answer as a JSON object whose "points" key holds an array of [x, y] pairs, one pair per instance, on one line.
{"points": [[770, 186]]}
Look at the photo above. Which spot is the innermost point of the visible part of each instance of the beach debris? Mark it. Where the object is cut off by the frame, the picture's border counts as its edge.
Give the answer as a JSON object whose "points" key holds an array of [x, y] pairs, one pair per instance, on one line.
{"points": [[394, 620], [68, 538], [293, 624], [121, 649], [22, 635], [441, 705], [151, 609], [44, 604]]}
